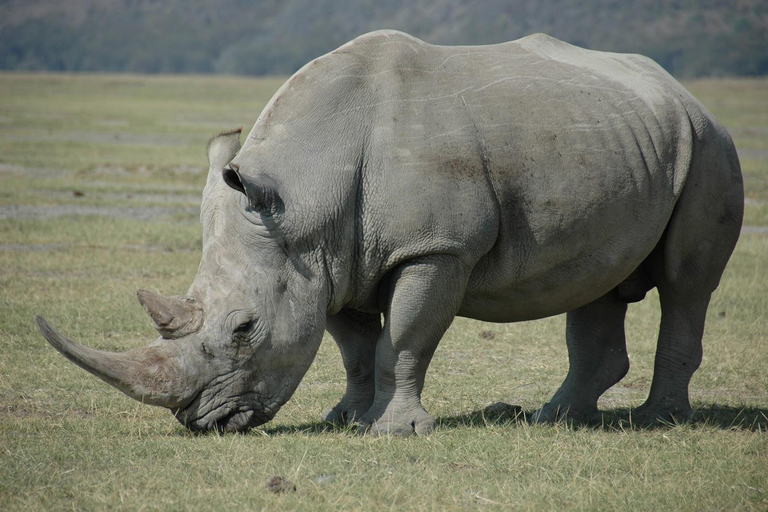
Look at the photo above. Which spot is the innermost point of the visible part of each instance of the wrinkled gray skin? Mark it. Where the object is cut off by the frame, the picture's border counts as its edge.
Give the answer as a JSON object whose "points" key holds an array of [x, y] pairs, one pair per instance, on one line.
{"points": [[418, 182]]}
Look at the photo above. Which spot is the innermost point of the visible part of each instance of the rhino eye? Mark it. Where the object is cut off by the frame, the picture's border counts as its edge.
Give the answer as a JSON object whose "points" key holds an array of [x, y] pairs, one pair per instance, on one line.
{"points": [[243, 328]]}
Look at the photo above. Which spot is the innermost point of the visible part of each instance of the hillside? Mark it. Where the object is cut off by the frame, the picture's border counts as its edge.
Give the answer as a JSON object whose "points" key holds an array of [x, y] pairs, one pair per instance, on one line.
{"points": [[688, 37]]}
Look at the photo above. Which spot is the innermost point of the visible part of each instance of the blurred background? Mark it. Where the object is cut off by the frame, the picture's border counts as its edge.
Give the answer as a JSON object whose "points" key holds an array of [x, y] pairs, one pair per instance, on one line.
{"points": [[690, 38]]}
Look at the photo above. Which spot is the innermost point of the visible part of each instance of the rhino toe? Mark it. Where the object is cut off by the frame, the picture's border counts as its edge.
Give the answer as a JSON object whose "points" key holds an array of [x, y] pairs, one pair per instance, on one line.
{"points": [[662, 413], [419, 422], [345, 413], [340, 416], [553, 413]]}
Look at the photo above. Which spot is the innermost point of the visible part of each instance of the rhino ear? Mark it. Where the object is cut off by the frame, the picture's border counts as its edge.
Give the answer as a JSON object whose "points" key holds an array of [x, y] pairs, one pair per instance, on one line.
{"points": [[261, 192], [223, 148]]}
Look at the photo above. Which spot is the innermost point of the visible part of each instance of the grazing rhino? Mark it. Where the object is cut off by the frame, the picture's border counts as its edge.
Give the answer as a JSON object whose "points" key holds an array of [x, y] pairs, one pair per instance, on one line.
{"points": [[393, 177]]}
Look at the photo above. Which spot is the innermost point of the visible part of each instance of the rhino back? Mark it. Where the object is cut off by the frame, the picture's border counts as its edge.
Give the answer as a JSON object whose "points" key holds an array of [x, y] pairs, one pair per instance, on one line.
{"points": [[550, 169]]}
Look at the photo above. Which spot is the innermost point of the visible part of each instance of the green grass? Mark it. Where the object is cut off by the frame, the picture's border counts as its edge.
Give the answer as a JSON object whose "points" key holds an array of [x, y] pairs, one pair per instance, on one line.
{"points": [[742, 106], [68, 441]]}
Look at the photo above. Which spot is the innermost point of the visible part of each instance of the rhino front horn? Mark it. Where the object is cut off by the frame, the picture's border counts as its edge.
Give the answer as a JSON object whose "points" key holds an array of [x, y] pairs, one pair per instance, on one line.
{"points": [[174, 317], [152, 375]]}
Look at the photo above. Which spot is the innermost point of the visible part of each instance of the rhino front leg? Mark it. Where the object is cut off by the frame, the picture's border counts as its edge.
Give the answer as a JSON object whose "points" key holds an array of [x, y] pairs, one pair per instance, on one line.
{"points": [[356, 334], [425, 295], [597, 355]]}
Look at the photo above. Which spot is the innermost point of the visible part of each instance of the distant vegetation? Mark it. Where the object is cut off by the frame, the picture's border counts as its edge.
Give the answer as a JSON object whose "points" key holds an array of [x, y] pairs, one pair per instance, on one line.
{"points": [[688, 37]]}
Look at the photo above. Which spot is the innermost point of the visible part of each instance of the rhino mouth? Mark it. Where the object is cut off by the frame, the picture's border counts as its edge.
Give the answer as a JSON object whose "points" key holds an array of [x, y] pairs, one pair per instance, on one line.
{"points": [[233, 421], [236, 421], [226, 418]]}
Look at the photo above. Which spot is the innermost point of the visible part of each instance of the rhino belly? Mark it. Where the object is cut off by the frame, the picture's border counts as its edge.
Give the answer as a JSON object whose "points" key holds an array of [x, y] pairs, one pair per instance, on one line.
{"points": [[551, 263]]}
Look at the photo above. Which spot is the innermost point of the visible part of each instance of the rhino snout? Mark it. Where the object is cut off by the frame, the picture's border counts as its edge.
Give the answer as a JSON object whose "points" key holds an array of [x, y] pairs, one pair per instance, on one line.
{"points": [[209, 412], [234, 421]]}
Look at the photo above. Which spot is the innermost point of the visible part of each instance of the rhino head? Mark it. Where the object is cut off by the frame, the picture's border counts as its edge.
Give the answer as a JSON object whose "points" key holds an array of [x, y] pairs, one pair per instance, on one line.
{"points": [[233, 350]]}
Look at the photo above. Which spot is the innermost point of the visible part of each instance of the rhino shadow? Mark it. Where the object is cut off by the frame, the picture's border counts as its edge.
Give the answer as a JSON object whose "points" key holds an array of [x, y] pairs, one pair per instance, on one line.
{"points": [[725, 417], [720, 416]]}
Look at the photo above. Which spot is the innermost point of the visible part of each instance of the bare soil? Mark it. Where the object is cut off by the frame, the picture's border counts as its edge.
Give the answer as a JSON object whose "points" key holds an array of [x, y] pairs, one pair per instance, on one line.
{"points": [[145, 213]]}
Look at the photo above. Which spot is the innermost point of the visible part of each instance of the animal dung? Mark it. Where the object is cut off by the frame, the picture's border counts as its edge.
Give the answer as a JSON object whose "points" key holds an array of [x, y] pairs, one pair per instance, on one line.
{"points": [[278, 485]]}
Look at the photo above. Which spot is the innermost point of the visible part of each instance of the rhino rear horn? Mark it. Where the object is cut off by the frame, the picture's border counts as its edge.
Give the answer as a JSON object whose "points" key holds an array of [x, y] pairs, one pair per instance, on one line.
{"points": [[174, 317]]}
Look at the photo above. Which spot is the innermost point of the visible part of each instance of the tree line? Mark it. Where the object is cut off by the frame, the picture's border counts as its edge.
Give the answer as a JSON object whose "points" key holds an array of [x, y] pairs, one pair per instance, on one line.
{"points": [[690, 38]]}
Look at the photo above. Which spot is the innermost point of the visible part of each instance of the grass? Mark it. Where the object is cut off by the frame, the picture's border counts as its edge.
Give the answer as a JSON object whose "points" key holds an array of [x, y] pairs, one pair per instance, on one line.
{"points": [[742, 106], [75, 147]]}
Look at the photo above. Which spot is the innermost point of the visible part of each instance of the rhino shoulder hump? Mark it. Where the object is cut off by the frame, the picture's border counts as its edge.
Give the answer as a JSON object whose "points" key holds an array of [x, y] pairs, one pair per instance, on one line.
{"points": [[379, 38]]}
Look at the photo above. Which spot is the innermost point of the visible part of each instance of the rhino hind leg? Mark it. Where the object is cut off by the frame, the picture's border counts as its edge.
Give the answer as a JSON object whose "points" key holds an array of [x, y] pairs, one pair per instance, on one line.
{"points": [[425, 295], [678, 356], [686, 268], [355, 334], [597, 356]]}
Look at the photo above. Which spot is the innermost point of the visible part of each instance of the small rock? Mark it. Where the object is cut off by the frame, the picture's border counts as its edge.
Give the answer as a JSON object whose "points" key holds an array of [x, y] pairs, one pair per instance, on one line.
{"points": [[325, 479], [278, 484]]}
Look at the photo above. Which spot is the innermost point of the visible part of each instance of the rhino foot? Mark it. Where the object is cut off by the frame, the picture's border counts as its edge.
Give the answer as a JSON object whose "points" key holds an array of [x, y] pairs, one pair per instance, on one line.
{"points": [[665, 412], [415, 421], [555, 413], [344, 413]]}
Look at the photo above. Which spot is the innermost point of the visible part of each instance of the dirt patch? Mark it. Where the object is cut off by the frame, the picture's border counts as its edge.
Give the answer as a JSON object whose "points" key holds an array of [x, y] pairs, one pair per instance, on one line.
{"points": [[113, 123], [147, 213], [754, 230], [140, 170], [143, 197], [30, 172], [753, 154], [112, 170], [31, 247], [143, 188], [122, 138], [56, 247]]}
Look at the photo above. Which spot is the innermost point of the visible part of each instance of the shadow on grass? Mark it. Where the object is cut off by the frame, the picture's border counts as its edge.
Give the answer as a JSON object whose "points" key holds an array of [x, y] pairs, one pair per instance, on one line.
{"points": [[501, 414], [712, 415], [312, 428]]}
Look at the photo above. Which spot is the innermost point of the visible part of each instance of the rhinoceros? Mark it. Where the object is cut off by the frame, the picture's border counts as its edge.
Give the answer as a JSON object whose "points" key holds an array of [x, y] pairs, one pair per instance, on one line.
{"points": [[392, 185]]}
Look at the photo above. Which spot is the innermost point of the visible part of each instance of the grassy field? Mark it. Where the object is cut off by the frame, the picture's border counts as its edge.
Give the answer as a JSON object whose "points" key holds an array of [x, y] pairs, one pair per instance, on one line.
{"points": [[100, 181]]}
